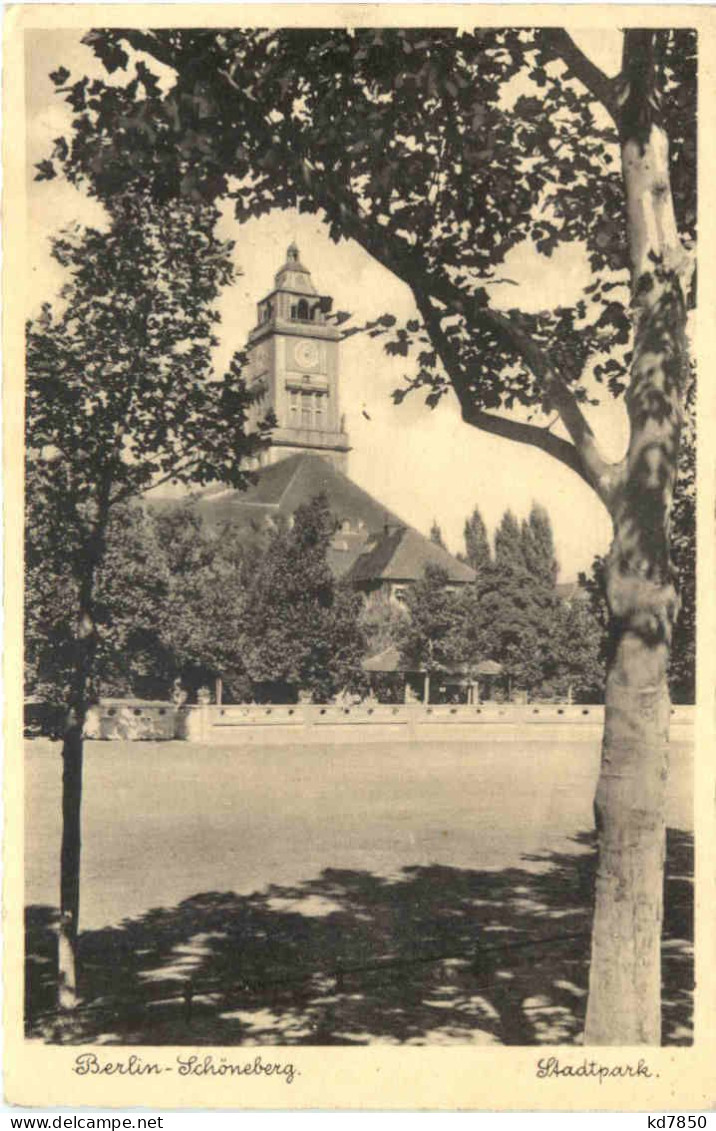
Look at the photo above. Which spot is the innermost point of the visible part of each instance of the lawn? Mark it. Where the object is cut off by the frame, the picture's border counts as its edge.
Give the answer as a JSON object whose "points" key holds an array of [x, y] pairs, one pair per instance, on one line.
{"points": [[428, 892]]}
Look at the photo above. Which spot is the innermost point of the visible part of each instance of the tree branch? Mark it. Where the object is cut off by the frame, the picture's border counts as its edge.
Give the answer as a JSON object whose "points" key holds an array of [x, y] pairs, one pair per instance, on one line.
{"points": [[127, 492], [406, 264], [598, 472], [561, 45], [518, 431], [542, 438]]}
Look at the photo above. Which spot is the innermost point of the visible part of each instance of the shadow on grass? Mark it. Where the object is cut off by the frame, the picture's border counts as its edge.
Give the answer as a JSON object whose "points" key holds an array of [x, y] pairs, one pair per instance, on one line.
{"points": [[432, 955]]}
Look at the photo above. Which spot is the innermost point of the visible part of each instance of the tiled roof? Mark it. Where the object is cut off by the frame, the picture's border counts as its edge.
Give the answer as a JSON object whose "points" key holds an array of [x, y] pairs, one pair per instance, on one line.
{"points": [[371, 542], [282, 487], [401, 554]]}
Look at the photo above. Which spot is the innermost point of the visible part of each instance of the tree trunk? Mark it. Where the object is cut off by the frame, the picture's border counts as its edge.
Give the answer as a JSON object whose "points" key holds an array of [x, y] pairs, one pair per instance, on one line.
{"points": [[72, 757], [625, 972], [624, 1005], [72, 754]]}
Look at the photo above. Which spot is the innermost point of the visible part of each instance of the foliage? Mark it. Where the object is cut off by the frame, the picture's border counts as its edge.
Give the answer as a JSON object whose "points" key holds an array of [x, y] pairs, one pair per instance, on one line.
{"points": [[120, 385], [411, 142], [509, 545], [517, 600], [431, 639], [575, 667], [131, 592], [203, 618], [477, 544], [130, 600], [382, 621], [301, 628], [49, 591], [538, 546], [512, 627], [120, 396]]}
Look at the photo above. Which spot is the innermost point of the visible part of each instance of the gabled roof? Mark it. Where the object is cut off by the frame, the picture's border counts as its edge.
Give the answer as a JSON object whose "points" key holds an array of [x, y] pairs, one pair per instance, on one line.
{"points": [[371, 542], [282, 487], [401, 554]]}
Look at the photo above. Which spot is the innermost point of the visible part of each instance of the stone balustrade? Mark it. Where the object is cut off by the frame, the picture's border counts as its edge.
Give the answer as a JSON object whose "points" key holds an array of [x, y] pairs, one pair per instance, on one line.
{"points": [[257, 723]]}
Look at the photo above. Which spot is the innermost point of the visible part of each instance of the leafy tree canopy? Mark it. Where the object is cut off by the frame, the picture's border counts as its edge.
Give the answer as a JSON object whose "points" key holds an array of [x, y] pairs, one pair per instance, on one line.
{"points": [[301, 628], [132, 587], [431, 639], [120, 389], [415, 143]]}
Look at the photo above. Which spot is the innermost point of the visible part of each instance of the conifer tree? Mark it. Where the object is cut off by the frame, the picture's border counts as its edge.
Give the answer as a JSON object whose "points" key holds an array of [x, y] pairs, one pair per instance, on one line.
{"points": [[509, 546], [517, 605], [477, 544], [538, 546]]}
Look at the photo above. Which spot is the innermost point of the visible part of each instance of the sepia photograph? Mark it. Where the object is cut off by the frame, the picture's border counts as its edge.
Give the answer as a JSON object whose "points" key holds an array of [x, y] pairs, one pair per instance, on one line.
{"points": [[359, 531]]}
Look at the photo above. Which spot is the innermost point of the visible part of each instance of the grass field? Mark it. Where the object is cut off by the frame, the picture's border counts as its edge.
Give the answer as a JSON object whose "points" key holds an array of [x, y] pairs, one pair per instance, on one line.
{"points": [[338, 894]]}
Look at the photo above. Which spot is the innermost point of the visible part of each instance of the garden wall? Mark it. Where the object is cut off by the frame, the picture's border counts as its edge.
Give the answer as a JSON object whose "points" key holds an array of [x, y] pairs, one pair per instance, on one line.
{"points": [[135, 719], [311, 723]]}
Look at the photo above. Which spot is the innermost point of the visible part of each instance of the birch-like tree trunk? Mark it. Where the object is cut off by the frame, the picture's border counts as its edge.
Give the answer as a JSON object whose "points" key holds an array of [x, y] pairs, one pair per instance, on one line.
{"points": [[625, 976]]}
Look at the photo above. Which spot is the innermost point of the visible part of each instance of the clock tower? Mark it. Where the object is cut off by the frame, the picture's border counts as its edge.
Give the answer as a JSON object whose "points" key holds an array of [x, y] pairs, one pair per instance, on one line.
{"points": [[293, 367]]}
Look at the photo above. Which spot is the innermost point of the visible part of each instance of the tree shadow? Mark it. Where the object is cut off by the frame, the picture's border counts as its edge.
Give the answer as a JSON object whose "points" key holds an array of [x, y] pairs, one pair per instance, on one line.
{"points": [[432, 955]]}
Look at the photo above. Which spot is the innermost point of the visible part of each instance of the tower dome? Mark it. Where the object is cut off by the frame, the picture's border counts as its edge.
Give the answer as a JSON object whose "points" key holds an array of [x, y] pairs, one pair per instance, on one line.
{"points": [[293, 276]]}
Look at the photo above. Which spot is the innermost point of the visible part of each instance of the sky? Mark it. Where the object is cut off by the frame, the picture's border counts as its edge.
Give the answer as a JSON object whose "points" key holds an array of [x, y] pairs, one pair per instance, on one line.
{"points": [[423, 464]]}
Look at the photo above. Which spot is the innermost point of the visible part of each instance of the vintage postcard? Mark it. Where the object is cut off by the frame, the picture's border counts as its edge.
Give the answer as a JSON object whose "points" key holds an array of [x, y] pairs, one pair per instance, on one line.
{"points": [[359, 463]]}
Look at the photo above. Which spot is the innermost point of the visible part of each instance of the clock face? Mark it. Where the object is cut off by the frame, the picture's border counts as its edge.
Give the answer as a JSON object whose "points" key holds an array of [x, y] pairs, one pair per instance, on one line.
{"points": [[306, 354]]}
